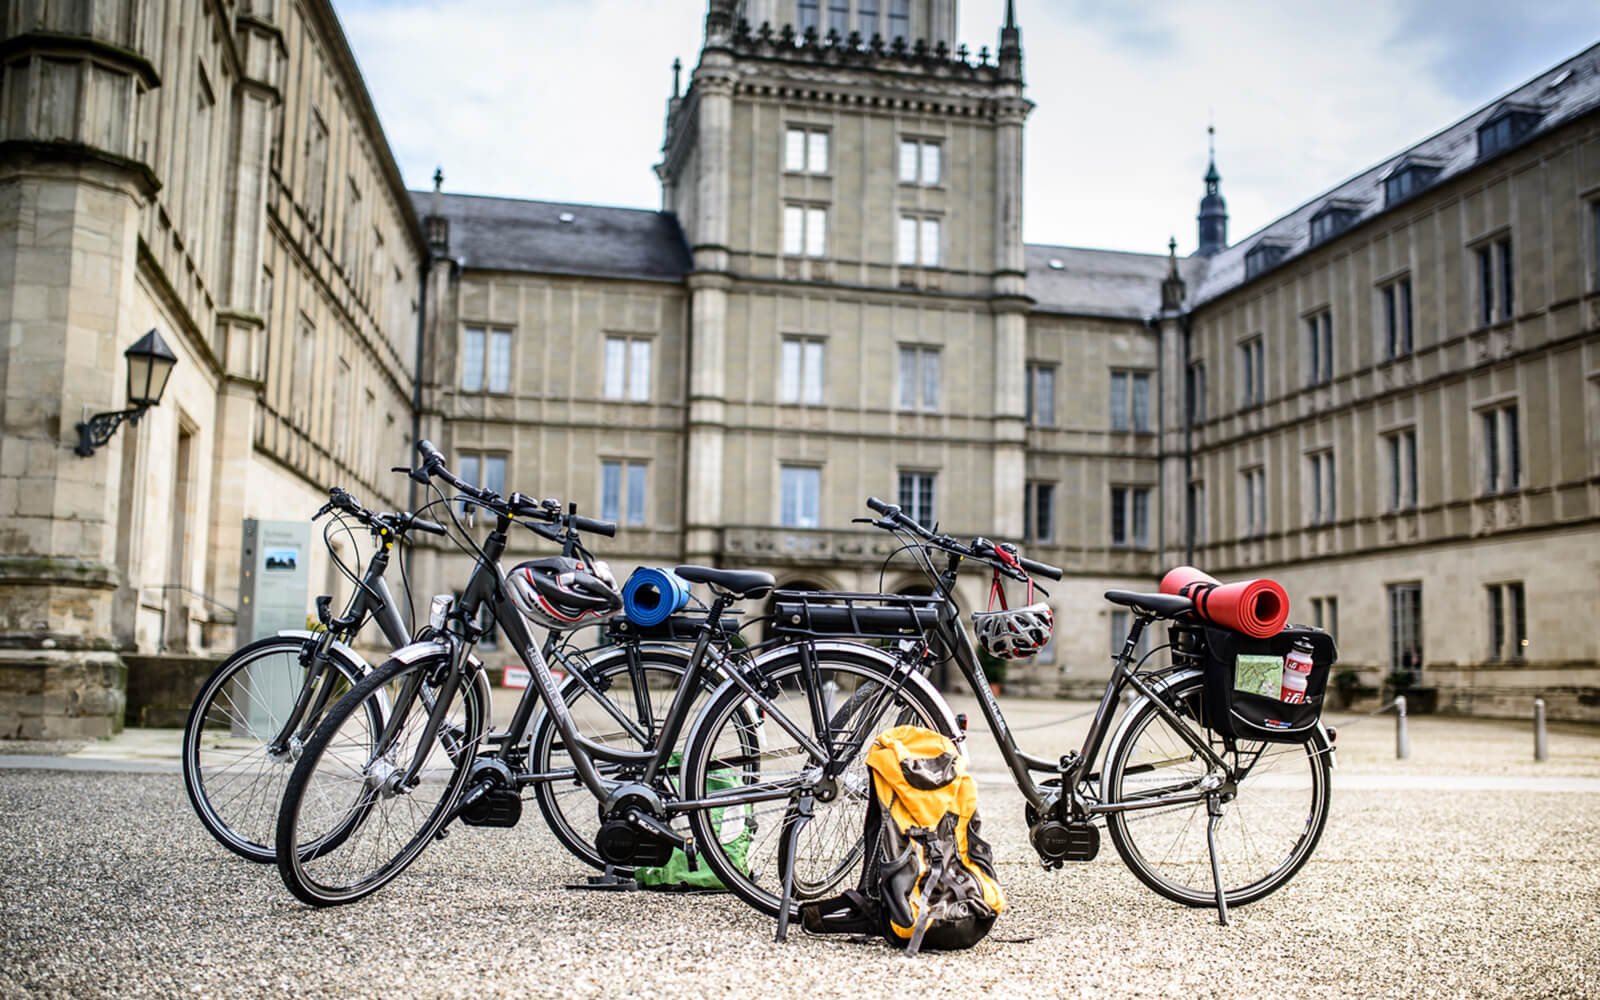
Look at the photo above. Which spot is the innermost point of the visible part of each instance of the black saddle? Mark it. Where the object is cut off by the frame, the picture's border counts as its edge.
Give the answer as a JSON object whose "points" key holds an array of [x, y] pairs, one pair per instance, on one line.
{"points": [[1153, 605], [741, 583]]}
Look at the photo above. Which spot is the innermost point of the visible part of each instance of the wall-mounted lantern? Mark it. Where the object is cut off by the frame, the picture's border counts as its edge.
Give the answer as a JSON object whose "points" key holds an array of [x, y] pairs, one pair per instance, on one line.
{"points": [[150, 364]]}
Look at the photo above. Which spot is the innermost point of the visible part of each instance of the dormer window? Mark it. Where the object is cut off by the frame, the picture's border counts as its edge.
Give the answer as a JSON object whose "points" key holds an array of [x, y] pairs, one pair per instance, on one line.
{"points": [[1407, 179], [1505, 129], [1332, 219], [1262, 258]]}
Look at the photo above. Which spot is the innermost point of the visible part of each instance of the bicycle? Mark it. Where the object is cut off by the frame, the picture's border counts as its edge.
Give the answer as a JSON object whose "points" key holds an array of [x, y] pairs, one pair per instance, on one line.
{"points": [[396, 789], [1167, 776], [253, 714]]}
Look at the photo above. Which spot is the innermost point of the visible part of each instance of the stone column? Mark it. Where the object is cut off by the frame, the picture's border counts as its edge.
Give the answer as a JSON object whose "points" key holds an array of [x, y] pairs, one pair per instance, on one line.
{"points": [[1010, 304]]}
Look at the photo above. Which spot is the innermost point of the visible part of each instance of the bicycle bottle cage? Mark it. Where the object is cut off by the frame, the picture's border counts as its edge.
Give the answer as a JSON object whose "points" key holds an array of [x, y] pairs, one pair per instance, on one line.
{"points": [[823, 613]]}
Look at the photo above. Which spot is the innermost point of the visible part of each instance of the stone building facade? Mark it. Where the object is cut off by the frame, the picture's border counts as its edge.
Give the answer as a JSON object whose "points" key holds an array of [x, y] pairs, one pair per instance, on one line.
{"points": [[216, 172], [833, 301]]}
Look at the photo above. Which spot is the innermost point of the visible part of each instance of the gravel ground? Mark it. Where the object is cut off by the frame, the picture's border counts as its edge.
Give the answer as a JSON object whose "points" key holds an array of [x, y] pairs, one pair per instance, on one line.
{"points": [[110, 888]]}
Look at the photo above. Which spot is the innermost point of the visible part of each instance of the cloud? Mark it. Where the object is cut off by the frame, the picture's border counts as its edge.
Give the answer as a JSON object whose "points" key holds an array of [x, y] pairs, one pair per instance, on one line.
{"points": [[1478, 49]]}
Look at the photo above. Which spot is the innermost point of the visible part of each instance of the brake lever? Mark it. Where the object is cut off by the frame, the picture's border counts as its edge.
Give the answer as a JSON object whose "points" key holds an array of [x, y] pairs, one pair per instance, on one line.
{"points": [[325, 509]]}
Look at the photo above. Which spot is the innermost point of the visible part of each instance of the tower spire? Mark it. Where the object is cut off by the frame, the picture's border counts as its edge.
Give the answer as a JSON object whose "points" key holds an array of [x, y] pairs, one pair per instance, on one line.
{"points": [[1009, 58], [1213, 216]]}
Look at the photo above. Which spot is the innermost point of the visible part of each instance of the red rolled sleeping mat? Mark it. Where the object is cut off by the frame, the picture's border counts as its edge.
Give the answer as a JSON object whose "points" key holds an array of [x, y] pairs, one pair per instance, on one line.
{"points": [[1257, 608]]}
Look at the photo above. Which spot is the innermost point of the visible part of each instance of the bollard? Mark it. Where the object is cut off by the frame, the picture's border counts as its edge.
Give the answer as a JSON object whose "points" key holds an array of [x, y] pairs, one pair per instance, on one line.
{"points": [[1402, 739], [1541, 744]]}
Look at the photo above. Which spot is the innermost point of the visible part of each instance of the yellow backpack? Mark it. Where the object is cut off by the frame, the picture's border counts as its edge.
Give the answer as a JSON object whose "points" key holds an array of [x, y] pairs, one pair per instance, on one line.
{"points": [[929, 879]]}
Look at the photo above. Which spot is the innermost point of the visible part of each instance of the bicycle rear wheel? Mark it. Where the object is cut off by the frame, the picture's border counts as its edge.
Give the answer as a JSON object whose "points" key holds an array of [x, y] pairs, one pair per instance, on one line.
{"points": [[234, 778], [347, 781], [740, 748], [1267, 830]]}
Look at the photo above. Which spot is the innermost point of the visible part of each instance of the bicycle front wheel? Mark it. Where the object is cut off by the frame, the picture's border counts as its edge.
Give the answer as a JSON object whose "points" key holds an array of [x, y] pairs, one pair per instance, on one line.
{"points": [[749, 754], [350, 820], [234, 775], [1267, 831]]}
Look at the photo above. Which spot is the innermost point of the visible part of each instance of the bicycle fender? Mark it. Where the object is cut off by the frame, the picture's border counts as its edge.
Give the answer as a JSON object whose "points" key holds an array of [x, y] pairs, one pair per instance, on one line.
{"points": [[355, 658], [479, 677]]}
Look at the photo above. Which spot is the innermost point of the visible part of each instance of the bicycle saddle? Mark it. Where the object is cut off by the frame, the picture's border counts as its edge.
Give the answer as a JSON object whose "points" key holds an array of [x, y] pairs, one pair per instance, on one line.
{"points": [[738, 582], [1154, 605]]}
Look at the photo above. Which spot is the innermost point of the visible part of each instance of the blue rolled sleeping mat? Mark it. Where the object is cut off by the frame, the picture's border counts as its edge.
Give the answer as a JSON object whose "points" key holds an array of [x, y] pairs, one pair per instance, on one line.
{"points": [[651, 596]]}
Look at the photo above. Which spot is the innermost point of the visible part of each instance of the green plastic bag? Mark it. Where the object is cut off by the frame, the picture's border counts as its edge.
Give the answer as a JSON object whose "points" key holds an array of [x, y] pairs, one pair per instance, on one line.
{"points": [[675, 874]]}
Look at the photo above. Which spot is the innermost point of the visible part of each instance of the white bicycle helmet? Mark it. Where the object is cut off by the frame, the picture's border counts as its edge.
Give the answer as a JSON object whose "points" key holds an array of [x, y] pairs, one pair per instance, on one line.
{"points": [[564, 594], [1015, 633]]}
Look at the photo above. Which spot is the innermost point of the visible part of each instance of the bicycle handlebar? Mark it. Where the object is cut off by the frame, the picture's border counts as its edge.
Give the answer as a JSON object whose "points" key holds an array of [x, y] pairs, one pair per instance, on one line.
{"points": [[516, 505], [981, 548], [399, 523]]}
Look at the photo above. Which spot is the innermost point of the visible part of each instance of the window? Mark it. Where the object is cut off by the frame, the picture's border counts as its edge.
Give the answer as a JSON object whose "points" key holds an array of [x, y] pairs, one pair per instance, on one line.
{"points": [[484, 471], [799, 489], [316, 166], [349, 241], [1325, 615], [199, 155], [839, 17], [1195, 392], [1253, 381], [919, 378], [1502, 450], [1320, 488], [1039, 512], [916, 497], [1397, 318], [1120, 623], [1196, 500], [1331, 221], [1041, 395], [919, 161], [1508, 622], [805, 151], [800, 371], [1505, 131], [1130, 516], [867, 18], [805, 16], [627, 374], [919, 241], [1263, 257], [1495, 274], [623, 497], [305, 361], [805, 230], [1400, 449], [1594, 232], [1405, 627], [1407, 181], [1130, 401], [1254, 507], [485, 360], [899, 19], [1319, 347]]}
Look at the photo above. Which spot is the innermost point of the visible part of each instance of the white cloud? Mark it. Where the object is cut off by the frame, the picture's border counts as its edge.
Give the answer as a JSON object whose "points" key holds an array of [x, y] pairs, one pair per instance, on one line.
{"points": [[564, 99]]}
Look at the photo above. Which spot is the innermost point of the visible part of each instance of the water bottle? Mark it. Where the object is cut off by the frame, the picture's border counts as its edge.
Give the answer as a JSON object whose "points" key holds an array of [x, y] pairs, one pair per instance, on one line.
{"points": [[1296, 673]]}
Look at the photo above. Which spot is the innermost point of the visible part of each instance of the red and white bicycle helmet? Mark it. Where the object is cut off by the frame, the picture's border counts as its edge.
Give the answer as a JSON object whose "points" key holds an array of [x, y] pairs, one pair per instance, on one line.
{"points": [[1013, 633], [564, 594]]}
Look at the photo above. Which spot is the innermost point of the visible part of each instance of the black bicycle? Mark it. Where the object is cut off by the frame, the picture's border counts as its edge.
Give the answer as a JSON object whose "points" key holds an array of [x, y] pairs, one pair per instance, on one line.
{"points": [[397, 788], [1201, 818], [252, 716]]}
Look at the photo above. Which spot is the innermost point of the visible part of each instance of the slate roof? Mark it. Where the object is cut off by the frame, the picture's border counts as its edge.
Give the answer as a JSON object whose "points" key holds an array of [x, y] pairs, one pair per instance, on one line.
{"points": [[1564, 93], [511, 234], [1111, 283]]}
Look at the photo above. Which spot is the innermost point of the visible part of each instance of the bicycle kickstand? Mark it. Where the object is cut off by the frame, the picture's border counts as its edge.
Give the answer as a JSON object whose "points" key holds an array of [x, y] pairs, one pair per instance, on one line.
{"points": [[804, 810], [1214, 811]]}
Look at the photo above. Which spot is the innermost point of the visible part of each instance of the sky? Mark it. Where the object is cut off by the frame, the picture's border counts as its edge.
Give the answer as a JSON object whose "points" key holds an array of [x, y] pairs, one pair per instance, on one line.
{"points": [[565, 100]]}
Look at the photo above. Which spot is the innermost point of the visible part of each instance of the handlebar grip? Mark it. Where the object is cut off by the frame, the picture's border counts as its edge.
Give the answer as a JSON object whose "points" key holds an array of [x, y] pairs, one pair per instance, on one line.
{"points": [[429, 453], [874, 504], [430, 527], [607, 528], [1039, 568]]}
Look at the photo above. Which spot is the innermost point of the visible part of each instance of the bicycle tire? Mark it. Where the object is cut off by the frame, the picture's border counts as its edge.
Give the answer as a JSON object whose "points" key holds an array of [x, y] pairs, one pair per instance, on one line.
{"points": [[233, 780], [568, 807], [1267, 832], [746, 845], [338, 783]]}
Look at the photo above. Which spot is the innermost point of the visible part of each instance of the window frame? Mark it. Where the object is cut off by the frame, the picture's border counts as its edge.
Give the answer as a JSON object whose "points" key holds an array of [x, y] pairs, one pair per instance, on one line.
{"points": [[1195, 392], [1127, 418], [494, 339], [919, 223], [802, 382], [1129, 505], [1319, 346], [920, 378], [924, 491], [628, 389], [1325, 615], [809, 211], [1398, 594], [919, 145], [1508, 621], [1039, 511], [1035, 413], [1253, 372], [1500, 434], [808, 134], [1322, 488], [630, 472], [1254, 495], [803, 472], [1403, 492], [1399, 317]]}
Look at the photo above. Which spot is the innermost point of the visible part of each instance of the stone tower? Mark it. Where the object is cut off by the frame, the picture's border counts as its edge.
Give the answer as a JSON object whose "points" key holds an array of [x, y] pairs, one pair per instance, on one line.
{"points": [[1213, 216], [850, 184]]}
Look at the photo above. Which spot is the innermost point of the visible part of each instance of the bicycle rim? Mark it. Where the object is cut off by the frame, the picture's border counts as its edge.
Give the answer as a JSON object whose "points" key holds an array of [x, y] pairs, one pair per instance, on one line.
{"points": [[1266, 833], [234, 781], [737, 748], [346, 827]]}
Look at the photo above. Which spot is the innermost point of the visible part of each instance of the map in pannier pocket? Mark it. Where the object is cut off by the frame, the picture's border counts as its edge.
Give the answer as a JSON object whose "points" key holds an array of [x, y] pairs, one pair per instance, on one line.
{"points": [[1261, 675]]}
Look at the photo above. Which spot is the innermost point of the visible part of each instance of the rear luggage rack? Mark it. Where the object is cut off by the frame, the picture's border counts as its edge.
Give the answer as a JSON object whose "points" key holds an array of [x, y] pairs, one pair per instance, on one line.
{"points": [[824, 613]]}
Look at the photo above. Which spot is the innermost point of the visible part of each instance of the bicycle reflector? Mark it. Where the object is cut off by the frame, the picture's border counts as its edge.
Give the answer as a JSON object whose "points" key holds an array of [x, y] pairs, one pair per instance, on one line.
{"points": [[437, 609]]}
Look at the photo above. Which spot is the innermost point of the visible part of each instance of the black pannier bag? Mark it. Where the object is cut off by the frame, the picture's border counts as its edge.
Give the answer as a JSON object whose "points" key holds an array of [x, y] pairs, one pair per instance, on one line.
{"points": [[1239, 670]]}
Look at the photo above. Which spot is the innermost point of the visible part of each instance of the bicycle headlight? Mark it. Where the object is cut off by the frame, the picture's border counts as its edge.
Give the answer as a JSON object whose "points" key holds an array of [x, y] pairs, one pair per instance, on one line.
{"points": [[438, 608]]}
